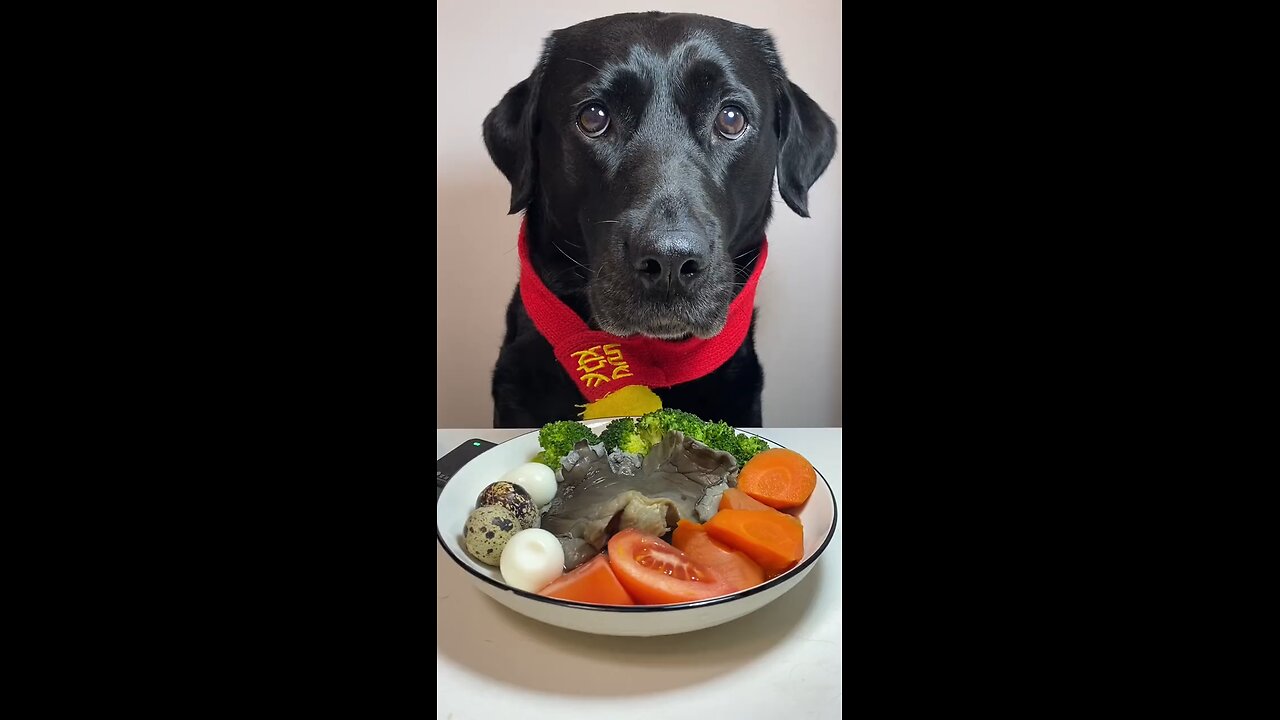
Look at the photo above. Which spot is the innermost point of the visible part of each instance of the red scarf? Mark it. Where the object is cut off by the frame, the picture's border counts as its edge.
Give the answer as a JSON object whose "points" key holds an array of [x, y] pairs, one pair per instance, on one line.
{"points": [[601, 363]]}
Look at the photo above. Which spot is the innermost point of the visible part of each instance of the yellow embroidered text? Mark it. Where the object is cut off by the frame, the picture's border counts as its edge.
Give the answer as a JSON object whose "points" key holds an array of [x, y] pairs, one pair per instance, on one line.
{"points": [[590, 362]]}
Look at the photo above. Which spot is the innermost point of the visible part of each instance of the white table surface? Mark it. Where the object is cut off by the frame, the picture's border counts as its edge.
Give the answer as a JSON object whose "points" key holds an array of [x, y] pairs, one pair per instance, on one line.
{"points": [[782, 662]]}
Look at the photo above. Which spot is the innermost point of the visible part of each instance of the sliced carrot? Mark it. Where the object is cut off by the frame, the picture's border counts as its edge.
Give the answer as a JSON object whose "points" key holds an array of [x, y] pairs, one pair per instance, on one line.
{"points": [[779, 478], [731, 566], [685, 528], [592, 582], [774, 540], [735, 499]]}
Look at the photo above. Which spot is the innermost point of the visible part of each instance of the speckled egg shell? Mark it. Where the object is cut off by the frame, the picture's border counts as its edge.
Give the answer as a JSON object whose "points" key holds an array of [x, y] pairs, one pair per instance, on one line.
{"points": [[487, 531], [514, 498]]}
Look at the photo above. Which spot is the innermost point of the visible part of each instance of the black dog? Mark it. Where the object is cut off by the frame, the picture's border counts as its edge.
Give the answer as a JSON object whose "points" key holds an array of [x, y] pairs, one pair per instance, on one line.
{"points": [[643, 149]]}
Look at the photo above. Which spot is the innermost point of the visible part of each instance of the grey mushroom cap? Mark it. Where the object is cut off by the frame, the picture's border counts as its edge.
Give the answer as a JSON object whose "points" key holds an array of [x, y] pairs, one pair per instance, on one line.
{"points": [[600, 494]]}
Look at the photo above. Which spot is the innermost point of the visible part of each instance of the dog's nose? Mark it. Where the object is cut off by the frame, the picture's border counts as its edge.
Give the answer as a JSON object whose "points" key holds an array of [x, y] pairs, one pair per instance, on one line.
{"points": [[672, 260]]}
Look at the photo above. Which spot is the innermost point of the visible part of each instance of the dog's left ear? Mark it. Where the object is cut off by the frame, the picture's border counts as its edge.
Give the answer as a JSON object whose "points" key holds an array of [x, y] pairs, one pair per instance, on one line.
{"points": [[806, 144]]}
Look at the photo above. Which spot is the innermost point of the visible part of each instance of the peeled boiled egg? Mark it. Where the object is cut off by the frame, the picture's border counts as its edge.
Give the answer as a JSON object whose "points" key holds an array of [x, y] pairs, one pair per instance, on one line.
{"points": [[537, 479], [531, 560]]}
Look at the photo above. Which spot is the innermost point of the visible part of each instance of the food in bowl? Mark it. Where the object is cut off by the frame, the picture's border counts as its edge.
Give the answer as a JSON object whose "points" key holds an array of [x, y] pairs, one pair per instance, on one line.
{"points": [[654, 511], [456, 501], [514, 498], [532, 559], [487, 532]]}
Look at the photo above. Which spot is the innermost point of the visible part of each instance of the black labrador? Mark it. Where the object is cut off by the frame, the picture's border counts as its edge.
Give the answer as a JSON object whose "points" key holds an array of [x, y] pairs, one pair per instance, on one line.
{"points": [[642, 149]]}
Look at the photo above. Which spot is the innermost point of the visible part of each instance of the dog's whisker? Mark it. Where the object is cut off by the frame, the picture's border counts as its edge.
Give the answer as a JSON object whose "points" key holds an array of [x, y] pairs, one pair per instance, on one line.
{"points": [[571, 268], [601, 222], [584, 62], [752, 250], [571, 258], [562, 252]]}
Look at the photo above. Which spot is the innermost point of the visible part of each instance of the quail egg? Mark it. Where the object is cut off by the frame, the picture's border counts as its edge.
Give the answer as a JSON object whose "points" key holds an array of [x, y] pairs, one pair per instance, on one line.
{"points": [[537, 479], [514, 498], [487, 531]]}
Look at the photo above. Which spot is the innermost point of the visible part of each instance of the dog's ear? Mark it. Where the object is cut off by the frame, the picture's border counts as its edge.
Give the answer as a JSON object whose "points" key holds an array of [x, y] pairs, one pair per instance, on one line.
{"points": [[806, 144], [509, 132]]}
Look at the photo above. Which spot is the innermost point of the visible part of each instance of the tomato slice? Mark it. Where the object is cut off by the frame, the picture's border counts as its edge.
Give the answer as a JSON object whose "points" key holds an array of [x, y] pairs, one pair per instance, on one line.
{"points": [[654, 573], [732, 566], [592, 582]]}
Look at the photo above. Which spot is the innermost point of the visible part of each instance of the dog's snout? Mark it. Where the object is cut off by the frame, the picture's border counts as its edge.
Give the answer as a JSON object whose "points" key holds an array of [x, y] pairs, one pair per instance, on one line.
{"points": [[670, 261]]}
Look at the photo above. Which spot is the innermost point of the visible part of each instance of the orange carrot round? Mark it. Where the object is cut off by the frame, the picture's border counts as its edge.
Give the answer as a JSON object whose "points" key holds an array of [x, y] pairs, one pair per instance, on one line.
{"points": [[774, 540], [732, 566], [779, 478], [684, 529], [735, 499]]}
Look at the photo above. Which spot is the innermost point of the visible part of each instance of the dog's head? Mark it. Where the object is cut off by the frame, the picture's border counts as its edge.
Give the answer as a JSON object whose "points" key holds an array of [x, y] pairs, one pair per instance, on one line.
{"points": [[646, 144]]}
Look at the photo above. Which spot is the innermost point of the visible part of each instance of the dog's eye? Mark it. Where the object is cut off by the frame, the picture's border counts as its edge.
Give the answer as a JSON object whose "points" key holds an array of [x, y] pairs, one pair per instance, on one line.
{"points": [[731, 123], [593, 120]]}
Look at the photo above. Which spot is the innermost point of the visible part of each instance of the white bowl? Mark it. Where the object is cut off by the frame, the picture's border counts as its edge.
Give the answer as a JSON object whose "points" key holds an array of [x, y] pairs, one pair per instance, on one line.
{"points": [[458, 499]]}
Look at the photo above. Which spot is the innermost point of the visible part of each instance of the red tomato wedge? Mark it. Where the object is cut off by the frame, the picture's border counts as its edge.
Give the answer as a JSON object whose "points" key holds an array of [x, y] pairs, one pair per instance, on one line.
{"points": [[591, 582], [654, 573], [732, 566]]}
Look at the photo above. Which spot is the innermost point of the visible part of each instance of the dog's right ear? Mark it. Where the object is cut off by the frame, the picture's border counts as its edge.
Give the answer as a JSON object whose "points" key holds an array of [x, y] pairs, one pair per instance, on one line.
{"points": [[509, 133]]}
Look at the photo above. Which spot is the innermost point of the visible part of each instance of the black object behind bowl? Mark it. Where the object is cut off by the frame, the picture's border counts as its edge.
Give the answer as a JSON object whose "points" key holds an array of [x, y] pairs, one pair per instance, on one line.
{"points": [[452, 462]]}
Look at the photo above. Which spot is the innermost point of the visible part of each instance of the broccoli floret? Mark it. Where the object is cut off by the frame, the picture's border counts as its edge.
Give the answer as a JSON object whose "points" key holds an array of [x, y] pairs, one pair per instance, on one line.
{"points": [[659, 422], [720, 436], [558, 438], [621, 435], [546, 459], [748, 446], [616, 431]]}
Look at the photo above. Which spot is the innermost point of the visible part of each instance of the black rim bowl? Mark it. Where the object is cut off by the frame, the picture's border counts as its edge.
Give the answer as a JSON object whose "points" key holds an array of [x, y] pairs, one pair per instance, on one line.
{"points": [[835, 513]]}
